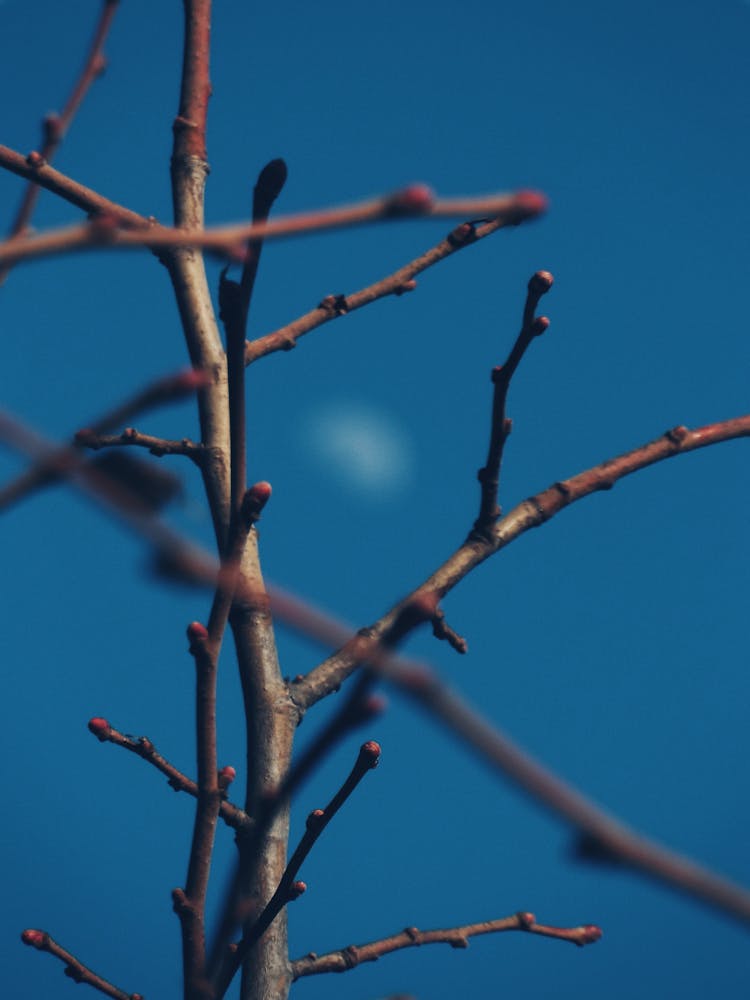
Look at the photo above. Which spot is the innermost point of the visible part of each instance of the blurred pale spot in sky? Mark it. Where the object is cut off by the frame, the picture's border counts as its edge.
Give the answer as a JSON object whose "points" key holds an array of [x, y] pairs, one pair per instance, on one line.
{"points": [[364, 448]]}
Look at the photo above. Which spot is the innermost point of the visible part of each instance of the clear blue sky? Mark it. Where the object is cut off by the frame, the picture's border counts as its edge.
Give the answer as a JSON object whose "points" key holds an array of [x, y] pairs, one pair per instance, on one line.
{"points": [[611, 643]]}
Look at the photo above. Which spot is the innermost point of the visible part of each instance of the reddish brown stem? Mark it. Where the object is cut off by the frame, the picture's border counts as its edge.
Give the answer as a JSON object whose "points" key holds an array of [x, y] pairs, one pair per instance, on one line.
{"points": [[56, 126], [228, 241], [142, 747], [457, 937], [74, 968], [402, 280], [133, 438]]}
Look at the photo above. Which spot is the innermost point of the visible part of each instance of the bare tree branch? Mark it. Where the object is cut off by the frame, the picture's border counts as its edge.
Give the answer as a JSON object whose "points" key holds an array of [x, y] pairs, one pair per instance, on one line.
{"points": [[457, 937], [56, 126], [142, 747], [74, 968]]}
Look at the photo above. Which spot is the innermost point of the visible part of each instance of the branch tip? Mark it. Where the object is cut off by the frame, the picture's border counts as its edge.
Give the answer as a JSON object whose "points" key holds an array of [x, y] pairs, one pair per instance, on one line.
{"points": [[369, 755], [100, 728], [227, 775], [34, 938], [253, 502]]}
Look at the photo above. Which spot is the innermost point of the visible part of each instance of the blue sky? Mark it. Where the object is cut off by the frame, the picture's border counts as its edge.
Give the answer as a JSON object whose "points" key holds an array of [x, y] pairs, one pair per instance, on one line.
{"points": [[611, 643]]}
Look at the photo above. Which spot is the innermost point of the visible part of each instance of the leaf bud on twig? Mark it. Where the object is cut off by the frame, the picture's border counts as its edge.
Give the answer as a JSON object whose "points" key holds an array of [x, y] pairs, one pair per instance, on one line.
{"points": [[33, 937], [369, 753], [99, 727]]}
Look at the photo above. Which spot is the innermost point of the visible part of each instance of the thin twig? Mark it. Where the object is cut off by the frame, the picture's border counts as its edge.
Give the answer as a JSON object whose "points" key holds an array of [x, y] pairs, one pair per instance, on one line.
{"points": [[56, 126], [500, 426], [401, 281], [162, 391], [142, 747], [367, 759], [529, 514], [74, 968], [457, 937], [131, 437], [106, 233]]}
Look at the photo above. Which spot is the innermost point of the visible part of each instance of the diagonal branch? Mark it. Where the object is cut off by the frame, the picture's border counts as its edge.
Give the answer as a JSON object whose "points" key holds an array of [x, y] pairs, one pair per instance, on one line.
{"points": [[457, 937], [74, 968], [538, 509], [334, 306], [317, 821], [56, 126], [142, 747]]}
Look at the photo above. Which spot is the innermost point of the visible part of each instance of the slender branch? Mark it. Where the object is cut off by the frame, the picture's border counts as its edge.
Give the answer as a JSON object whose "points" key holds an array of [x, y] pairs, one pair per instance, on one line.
{"points": [[50, 468], [34, 169], [402, 280], [131, 437], [74, 968], [227, 241], [500, 426], [367, 759], [457, 937], [531, 513], [56, 126], [142, 747]]}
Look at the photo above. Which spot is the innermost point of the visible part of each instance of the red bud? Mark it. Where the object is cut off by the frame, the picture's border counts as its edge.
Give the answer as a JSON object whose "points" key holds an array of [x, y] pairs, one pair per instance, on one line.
{"points": [[296, 889], [33, 937], [227, 775], [590, 933], [35, 159], [197, 632], [417, 199], [99, 727], [527, 204], [369, 753]]}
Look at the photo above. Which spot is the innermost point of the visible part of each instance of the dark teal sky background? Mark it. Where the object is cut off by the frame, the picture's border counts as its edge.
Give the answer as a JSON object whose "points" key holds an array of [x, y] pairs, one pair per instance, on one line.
{"points": [[612, 643]]}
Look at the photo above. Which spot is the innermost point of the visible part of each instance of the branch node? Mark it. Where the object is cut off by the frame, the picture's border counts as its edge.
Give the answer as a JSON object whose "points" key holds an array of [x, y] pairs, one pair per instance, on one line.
{"points": [[442, 630], [462, 235]]}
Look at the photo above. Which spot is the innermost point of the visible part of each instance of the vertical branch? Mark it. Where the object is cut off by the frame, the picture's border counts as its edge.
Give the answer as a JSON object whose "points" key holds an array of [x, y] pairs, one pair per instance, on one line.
{"points": [[271, 721], [189, 169], [500, 426]]}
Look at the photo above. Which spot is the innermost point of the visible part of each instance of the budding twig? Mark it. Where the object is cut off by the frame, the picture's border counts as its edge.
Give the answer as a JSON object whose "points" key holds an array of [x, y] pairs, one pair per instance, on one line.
{"points": [[457, 937], [402, 280], [367, 759], [500, 426], [228, 241], [142, 747], [55, 126], [74, 968]]}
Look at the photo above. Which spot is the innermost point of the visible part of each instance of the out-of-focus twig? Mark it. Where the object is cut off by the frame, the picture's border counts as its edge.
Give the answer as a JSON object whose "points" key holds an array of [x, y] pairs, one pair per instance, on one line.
{"points": [[56, 126], [107, 232]]}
